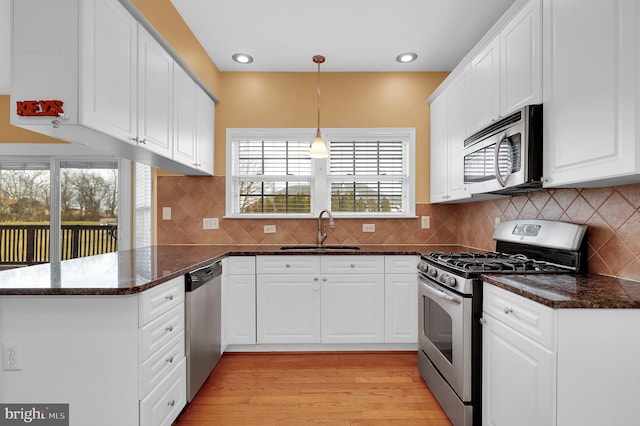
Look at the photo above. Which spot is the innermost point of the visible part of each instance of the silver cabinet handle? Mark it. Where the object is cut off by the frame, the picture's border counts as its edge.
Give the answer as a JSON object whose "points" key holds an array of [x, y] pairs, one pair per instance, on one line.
{"points": [[316, 279], [508, 311], [483, 321], [169, 297], [169, 360], [169, 329], [171, 403], [353, 265], [324, 279], [287, 265]]}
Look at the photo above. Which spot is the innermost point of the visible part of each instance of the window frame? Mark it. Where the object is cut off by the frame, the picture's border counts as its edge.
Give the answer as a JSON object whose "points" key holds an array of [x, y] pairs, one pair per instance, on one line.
{"points": [[320, 173]]}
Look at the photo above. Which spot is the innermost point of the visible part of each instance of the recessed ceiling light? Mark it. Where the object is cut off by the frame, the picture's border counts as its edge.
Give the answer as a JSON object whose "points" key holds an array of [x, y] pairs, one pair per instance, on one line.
{"points": [[403, 58], [242, 58]]}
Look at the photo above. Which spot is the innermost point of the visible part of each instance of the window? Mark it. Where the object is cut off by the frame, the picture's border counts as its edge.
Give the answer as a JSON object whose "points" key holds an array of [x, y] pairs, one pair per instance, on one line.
{"points": [[369, 173], [42, 221]]}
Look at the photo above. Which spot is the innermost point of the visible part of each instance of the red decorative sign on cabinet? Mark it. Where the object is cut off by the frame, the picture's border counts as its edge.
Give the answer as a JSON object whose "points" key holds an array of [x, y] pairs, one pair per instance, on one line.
{"points": [[51, 108]]}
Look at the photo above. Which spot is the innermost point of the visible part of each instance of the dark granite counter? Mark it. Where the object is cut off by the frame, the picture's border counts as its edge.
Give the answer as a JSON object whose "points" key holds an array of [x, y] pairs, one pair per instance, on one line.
{"points": [[132, 271], [572, 291]]}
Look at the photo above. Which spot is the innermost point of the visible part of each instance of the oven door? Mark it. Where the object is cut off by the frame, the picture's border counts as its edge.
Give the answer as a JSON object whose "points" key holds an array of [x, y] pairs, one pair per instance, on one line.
{"points": [[444, 334]]}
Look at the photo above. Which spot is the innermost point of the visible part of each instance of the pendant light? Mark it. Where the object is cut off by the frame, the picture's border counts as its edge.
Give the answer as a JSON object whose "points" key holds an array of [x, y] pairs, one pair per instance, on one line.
{"points": [[318, 147]]}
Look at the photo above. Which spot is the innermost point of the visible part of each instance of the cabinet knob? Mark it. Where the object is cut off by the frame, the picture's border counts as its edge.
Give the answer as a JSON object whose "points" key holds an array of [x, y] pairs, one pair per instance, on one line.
{"points": [[169, 297], [169, 360], [353, 265], [169, 329], [288, 265], [324, 279], [483, 321], [171, 403], [143, 141], [508, 311], [316, 278]]}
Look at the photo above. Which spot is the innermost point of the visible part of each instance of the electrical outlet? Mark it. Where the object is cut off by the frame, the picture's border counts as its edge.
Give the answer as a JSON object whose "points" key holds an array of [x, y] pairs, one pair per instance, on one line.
{"points": [[210, 223], [496, 221], [166, 213], [11, 356], [269, 229], [368, 227], [426, 222]]}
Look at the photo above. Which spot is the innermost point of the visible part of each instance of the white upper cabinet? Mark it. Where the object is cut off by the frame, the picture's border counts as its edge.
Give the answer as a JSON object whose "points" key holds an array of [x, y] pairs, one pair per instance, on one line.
{"points": [[155, 101], [485, 85], [205, 119], [184, 146], [591, 93], [521, 59], [108, 69], [449, 128], [111, 80]]}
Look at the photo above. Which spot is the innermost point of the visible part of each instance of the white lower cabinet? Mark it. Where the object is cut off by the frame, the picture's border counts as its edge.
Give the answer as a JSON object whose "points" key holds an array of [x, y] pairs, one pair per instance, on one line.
{"points": [[288, 308], [336, 299], [238, 301], [561, 367]]}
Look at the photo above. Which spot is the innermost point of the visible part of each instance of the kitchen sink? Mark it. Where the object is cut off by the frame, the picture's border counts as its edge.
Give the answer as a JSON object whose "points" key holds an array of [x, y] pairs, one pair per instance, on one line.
{"points": [[319, 248]]}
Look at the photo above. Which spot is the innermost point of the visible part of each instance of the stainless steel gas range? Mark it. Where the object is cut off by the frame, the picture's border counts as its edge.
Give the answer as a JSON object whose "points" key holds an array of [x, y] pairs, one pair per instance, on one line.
{"points": [[450, 304]]}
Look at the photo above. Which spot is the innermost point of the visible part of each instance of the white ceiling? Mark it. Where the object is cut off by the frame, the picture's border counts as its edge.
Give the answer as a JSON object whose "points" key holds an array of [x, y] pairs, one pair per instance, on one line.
{"points": [[354, 35]]}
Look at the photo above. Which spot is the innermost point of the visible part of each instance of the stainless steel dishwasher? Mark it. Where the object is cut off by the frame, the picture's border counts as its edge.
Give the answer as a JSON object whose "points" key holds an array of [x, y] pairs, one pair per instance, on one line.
{"points": [[203, 324]]}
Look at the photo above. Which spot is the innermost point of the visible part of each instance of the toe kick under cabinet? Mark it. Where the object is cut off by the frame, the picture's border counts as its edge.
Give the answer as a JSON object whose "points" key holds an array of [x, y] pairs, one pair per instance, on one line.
{"points": [[115, 359]]}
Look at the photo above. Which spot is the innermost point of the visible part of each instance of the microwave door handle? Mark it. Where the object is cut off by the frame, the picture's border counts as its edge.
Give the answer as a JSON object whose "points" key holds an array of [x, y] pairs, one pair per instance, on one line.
{"points": [[496, 154]]}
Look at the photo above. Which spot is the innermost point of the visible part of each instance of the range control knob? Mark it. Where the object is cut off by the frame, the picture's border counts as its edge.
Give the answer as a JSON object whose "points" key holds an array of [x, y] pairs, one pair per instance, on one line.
{"points": [[432, 272], [448, 280]]}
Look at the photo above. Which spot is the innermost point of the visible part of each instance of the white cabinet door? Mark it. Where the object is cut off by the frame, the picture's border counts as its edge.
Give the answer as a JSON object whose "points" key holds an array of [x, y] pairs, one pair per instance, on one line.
{"points": [[352, 308], [155, 97], [591, 92], [518, 378], [240, 309], [401, 308], [184, 117], [108, 68], [521, 61], [485, 86], [204, 130], [457, 132], [288, 308], [439, 170]]}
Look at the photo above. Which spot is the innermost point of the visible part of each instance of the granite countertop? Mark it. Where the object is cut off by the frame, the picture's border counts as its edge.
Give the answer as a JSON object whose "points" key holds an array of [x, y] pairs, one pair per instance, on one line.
{"points": [[132, 271], [588, 291]]}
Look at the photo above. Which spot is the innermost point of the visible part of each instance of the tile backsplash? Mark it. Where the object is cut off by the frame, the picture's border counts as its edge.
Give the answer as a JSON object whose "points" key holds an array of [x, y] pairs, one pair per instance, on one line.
{"points": [[612, 213]]}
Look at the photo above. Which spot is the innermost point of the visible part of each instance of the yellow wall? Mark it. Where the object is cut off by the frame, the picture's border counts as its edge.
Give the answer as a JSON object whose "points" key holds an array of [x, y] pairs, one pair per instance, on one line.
{"points": [[347, 100]]}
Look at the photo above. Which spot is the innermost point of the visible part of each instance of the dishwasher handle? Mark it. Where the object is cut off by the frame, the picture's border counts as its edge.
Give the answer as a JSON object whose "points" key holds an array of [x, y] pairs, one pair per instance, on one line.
{"points": [[200, 277]]}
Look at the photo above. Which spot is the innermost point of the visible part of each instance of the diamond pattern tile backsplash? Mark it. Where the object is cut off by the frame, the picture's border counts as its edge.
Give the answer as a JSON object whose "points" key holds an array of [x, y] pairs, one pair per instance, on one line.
{"points": [[613, 216]]}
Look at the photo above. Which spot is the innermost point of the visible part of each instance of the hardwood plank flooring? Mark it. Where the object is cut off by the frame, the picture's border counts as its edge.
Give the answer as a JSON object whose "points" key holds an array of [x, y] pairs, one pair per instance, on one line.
{"points": [[318, 388]]}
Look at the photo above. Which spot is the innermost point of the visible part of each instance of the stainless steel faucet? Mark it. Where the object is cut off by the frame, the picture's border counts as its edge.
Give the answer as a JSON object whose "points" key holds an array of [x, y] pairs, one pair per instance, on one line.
{"points": [[322, 229]]}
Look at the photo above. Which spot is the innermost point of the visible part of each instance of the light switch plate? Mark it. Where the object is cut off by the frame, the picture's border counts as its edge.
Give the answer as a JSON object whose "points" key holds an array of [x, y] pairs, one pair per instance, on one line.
{"points": [[426, 222], [166, 213], [269, 229]]}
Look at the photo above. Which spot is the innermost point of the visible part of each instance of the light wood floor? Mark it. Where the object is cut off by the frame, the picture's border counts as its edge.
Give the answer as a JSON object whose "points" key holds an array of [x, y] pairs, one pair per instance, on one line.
{"points": [[336, 388]]}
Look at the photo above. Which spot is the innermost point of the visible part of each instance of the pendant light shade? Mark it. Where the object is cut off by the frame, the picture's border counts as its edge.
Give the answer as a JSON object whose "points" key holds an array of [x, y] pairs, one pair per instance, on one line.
{"points": [[318, 147]]}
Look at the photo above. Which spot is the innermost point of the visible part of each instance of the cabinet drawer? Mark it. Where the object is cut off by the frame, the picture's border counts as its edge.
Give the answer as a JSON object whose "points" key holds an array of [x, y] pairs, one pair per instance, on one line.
{"points": [[401, 264], [160, 299], [158, 365], [239, 265], [288, 264], [530, 318], [164, 402], [352, 264], [160, 331]]}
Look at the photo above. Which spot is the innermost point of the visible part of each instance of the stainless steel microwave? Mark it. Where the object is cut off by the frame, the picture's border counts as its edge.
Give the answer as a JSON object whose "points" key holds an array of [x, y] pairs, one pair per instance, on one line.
{"points": [[506, 156]]}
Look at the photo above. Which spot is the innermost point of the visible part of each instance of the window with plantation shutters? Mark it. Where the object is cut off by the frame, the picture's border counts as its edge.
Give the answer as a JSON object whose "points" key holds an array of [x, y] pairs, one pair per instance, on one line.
{"points": [[369, 172]]}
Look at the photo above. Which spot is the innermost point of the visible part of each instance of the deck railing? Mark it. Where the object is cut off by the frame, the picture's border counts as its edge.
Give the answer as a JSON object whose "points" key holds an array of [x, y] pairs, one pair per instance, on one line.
{"points": [[22, 245]]}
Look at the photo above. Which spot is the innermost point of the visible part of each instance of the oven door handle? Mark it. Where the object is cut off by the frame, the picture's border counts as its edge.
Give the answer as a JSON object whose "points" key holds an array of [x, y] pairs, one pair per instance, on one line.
{"points": [[440, 294]]}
